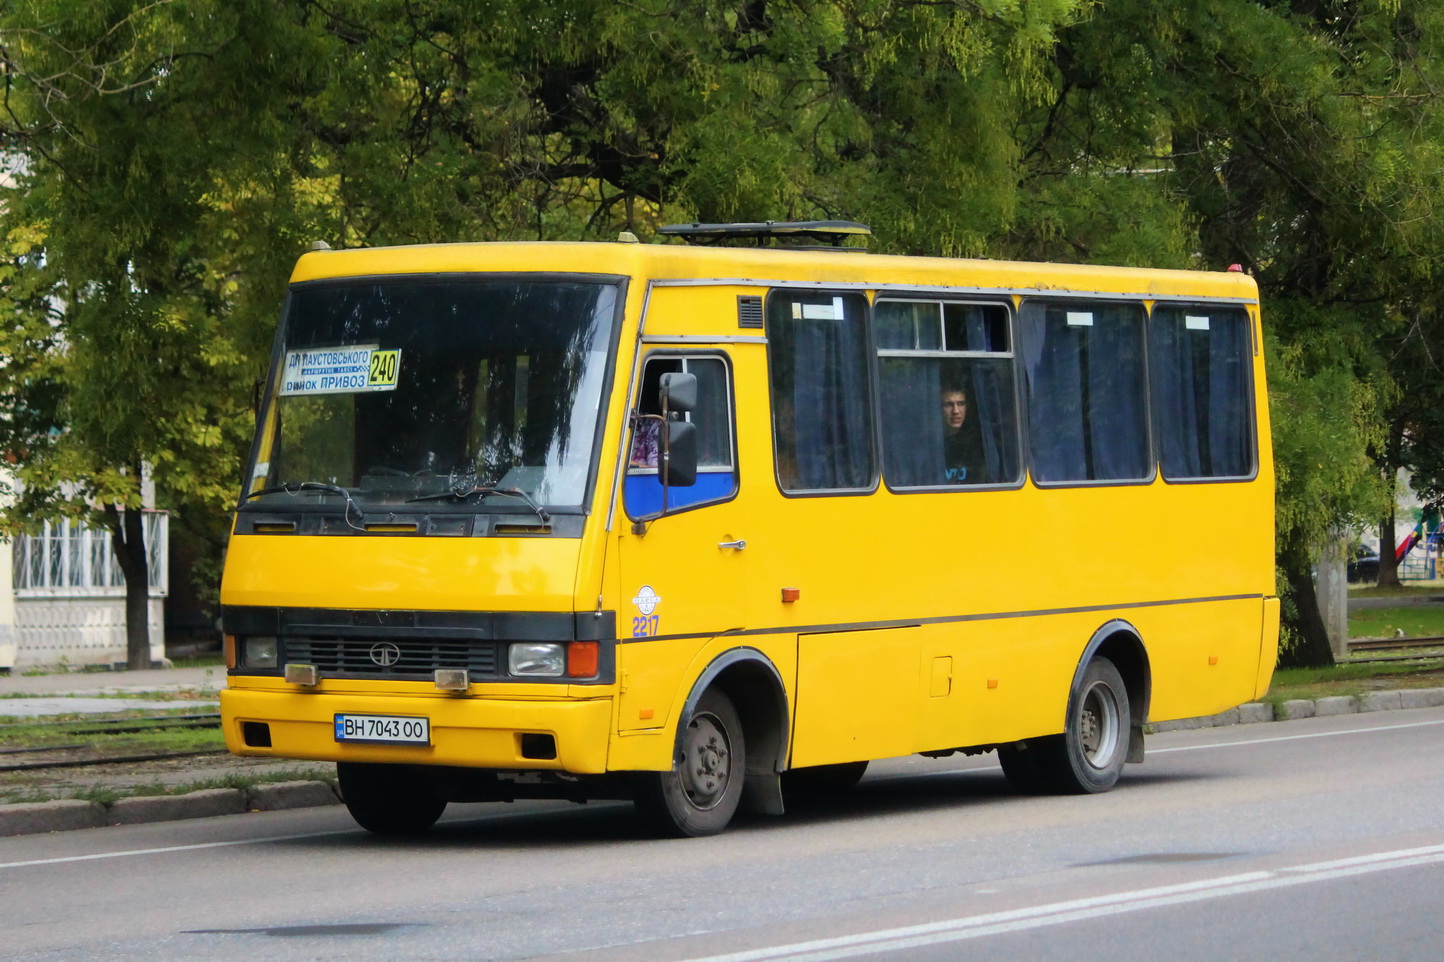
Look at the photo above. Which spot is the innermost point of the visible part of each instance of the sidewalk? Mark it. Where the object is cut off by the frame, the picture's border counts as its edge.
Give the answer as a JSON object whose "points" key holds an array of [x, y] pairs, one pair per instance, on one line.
{"points": [[87, 682]]}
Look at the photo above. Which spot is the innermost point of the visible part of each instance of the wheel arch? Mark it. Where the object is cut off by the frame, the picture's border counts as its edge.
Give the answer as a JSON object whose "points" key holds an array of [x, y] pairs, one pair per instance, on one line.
{"points": [[754, 685], [1122, 644]]}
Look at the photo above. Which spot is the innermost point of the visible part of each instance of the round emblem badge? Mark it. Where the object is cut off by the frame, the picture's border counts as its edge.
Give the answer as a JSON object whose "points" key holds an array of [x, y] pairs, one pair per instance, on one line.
{"points": [[647, 600], [385, 654]]}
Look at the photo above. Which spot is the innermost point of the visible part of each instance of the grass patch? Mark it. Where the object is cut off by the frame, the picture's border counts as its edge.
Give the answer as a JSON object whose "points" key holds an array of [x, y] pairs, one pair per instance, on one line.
{"points": [[47, 732], [183, 694], [1415, 621], [1425, 589], [1354, 679]]}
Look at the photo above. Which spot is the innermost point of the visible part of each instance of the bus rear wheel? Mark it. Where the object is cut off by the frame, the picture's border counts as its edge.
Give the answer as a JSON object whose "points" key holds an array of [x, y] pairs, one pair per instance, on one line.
{"points": [[700, 794], [1088, 757], [388, 799]]}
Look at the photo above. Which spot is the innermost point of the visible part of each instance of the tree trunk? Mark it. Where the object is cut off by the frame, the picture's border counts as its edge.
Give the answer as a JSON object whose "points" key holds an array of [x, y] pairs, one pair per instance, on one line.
{"points": [[1312, 649], [127, 537], [1388, 561]]}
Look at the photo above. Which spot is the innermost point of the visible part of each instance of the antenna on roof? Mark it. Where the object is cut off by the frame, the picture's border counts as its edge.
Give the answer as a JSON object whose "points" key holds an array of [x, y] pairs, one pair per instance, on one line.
{"points": [[830, 232]]}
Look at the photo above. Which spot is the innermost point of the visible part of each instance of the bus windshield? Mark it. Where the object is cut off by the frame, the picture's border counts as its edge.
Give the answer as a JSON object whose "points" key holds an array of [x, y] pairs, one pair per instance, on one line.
{"points": [[417, 390]]}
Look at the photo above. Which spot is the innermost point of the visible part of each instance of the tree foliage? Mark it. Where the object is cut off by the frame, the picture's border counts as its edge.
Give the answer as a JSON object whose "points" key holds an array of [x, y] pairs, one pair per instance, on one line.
{"points": [[172, 156]]}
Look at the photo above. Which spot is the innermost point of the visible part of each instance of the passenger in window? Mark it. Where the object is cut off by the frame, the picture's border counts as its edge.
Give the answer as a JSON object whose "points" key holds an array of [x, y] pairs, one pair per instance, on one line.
{"points": [[964, 461]]}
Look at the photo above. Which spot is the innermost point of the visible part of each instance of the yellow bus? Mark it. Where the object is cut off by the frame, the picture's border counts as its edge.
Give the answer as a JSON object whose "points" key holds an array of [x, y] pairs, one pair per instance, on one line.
{"points": [[706, 522]]}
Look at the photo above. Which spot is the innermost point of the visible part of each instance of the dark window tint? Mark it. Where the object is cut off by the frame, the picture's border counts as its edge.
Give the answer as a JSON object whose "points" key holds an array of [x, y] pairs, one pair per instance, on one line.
{"points": [[821, 407], [1087, 403], [1202, 380], [948, 405]]}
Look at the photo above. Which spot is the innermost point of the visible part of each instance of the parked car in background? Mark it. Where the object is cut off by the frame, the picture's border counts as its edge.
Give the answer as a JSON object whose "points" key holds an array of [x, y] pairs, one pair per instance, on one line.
{"points": [[1363, 564]]}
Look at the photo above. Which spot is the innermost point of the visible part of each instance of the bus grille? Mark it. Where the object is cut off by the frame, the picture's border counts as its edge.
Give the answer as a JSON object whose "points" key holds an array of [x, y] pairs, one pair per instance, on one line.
{"points": [[393, 658]]}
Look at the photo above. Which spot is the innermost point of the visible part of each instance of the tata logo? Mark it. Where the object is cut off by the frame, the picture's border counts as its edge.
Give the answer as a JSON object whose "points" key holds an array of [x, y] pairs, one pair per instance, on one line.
{"points": [[647, 600], [385, 654]]}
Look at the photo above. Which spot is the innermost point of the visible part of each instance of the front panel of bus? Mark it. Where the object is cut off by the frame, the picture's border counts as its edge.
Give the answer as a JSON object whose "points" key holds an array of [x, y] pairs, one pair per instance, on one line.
{"points": [[413, 524]]}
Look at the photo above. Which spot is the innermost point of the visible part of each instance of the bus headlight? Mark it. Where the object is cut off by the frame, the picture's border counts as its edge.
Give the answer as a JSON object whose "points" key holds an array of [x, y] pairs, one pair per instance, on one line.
{"points": [[260, 652], [534, 658]]}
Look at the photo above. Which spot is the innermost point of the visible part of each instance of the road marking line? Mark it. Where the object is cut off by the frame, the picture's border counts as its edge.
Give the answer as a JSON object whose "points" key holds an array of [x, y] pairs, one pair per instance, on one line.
{"points": [[496, 817], [1294, 738], [173, 848], [1057, 913]]}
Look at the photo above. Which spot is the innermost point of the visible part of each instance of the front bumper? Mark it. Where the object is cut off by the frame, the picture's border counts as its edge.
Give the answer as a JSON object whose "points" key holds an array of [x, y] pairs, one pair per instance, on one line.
{"points": [[466, 732]]}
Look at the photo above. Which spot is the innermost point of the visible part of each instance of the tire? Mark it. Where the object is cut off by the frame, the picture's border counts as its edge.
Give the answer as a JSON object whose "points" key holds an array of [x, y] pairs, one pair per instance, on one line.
{"points": [[1088, 757], [388, 799], [700, 794], [823, 780]]}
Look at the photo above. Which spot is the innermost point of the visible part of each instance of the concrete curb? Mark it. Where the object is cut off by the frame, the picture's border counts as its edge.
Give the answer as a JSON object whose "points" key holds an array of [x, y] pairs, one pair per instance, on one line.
{"points": [[28, 818], [1258, 711]]}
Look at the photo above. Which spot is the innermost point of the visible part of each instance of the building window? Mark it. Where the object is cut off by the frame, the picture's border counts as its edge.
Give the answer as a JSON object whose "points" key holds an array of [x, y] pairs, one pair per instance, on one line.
{"points": [[68, 557]]}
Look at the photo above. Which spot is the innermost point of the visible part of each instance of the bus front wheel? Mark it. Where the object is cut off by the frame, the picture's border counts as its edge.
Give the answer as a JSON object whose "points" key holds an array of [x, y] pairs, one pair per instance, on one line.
{"points": [[388, 799], [700, 794]]}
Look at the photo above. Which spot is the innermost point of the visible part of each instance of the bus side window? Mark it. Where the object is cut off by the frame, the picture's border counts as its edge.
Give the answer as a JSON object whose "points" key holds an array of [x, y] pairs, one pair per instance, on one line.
{"points": [[949, 411], [821, 393], [716, 464], [1087, 400], [1202, 379]]}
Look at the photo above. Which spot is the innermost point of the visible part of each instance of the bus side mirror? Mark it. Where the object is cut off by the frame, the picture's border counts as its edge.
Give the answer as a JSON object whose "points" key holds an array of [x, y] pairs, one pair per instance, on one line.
{"points": [[679, 464], [679, 392]]}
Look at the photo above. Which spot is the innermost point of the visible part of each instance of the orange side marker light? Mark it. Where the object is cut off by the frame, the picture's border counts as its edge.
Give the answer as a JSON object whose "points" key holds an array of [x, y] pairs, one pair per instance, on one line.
{"points": [[582, 659]]}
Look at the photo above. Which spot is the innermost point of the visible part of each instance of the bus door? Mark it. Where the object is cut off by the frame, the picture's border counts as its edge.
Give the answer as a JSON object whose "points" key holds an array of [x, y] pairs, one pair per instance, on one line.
{"points": [[682, 571]]}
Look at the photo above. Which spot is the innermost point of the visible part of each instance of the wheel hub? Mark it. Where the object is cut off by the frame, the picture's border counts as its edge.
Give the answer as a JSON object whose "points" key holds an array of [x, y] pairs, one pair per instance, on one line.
{"points": [[706, 763], [1098, 725]]}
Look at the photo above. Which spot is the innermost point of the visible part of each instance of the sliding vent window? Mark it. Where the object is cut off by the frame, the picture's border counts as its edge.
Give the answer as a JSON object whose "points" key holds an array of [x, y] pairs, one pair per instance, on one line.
{"points": [[817, 356], [1086, 387], [1202, 377], [948, 406], [716, 472]]}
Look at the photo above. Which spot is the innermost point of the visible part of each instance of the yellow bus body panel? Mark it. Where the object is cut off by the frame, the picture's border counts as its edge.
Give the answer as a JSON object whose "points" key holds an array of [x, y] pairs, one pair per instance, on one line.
{"points": [[438, 574]]}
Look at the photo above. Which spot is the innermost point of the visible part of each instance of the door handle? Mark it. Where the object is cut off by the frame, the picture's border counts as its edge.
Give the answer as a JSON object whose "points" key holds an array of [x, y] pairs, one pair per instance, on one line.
{"points": [[739, 544]]}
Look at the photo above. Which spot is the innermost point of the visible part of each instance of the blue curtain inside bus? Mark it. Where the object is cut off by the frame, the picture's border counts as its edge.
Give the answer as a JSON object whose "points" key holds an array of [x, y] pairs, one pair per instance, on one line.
{"points": [[1201, 387], [1087, 409]]}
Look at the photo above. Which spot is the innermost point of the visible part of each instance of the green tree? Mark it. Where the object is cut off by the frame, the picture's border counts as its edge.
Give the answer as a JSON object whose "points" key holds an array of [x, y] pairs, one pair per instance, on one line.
{"points": [[123, 356]]}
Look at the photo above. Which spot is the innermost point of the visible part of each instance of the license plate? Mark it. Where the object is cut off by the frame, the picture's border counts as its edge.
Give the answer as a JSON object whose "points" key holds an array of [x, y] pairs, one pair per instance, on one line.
{"points": [[386, 729]]}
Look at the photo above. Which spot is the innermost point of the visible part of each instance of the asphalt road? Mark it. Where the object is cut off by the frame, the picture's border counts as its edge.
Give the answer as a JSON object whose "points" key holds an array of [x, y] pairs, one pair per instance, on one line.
{"points": [[1320, 839]]}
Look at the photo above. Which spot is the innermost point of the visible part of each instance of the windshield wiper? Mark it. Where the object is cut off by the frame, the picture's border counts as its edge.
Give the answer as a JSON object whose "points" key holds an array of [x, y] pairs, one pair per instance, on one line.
{"points": [[461, 494], [298, 487]]}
